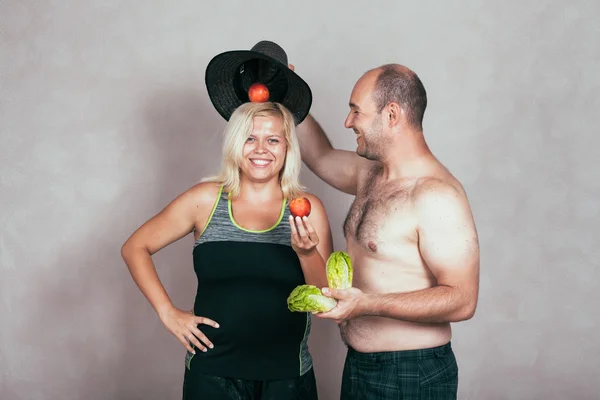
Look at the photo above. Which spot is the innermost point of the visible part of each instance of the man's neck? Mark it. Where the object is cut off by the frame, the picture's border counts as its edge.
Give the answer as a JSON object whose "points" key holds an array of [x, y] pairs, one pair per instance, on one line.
{"points": [[406, 157]]}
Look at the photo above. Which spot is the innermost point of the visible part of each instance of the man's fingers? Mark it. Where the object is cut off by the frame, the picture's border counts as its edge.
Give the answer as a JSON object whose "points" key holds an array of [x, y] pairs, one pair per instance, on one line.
{"points": [[328, 315], [338, 294], [332, 314], [291, 66]]}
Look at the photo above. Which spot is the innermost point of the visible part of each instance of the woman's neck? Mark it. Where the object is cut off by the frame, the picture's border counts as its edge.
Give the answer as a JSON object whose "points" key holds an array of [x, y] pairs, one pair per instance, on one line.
{"points": [[259, 192]]}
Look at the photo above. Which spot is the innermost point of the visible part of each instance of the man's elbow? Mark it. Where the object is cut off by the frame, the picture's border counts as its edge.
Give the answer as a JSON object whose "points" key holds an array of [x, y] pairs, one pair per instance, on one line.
{"points": [[466, 312]]}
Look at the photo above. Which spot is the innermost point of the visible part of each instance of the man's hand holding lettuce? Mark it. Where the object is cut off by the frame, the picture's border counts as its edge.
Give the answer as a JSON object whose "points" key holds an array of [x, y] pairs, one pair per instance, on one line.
{"points": [[308, 298]]}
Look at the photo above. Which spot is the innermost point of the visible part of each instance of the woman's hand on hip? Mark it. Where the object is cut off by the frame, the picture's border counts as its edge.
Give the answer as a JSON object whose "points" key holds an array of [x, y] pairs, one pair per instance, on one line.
{"points": [[184, 326]]}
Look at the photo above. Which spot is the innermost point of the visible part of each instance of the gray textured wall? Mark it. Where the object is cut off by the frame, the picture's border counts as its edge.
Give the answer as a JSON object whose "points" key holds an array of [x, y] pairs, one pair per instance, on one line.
{"points": [[104, 118]]}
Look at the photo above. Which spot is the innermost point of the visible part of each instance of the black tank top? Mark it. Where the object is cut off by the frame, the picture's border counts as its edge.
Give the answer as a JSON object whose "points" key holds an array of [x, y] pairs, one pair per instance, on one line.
{"points": [[244, 279]]}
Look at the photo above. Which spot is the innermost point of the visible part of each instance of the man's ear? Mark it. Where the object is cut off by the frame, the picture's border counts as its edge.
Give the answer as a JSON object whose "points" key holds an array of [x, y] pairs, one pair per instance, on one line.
{"points": [[395, 113]]}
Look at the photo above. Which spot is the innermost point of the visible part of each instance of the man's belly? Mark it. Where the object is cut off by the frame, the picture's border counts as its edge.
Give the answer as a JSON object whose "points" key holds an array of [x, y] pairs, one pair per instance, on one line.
{"points": [[392, 269], [373, 334]]}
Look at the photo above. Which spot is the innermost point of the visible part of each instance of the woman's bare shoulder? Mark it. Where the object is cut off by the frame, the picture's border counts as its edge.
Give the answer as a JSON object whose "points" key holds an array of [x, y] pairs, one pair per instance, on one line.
{"points": [[203, 194]]}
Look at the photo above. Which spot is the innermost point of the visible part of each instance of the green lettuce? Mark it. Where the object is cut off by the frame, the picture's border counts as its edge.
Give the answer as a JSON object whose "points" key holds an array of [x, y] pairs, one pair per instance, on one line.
{"points": [[308, 298], [339, 270]]}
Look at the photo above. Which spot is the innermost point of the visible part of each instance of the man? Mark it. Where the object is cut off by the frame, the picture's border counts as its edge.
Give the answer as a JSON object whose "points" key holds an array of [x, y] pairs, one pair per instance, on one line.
{"points": [[412, 239]]}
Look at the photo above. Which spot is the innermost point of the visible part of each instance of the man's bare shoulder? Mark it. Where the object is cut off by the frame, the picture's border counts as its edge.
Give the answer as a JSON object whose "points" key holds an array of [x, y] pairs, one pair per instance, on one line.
{"points": [[434, 189], [441, 199], [436, 184]]}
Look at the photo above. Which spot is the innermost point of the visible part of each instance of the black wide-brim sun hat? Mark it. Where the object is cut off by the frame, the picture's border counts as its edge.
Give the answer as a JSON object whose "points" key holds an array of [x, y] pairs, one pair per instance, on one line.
{"points": [[230, 74]]}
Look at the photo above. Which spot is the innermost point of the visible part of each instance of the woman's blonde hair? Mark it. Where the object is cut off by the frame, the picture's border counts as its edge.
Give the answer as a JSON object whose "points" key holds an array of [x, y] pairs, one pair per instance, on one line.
{"points": [[237, 131]]}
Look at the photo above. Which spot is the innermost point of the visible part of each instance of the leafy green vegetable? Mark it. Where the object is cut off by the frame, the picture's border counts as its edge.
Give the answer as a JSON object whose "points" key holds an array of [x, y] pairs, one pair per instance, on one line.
{"points": [[308, 298], [339, 270]]}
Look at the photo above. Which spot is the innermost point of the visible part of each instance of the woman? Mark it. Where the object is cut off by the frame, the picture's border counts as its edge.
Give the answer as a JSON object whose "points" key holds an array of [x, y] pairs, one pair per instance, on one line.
{"points": [[249, 254]]}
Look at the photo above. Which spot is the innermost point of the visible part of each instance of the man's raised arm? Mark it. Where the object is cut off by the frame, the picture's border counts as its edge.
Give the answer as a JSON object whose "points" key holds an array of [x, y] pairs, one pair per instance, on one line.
{"points": [[339, 168]]}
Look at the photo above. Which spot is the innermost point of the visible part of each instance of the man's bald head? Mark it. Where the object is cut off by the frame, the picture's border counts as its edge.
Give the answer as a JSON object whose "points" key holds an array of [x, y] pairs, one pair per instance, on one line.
{"points": [[397, 83]]}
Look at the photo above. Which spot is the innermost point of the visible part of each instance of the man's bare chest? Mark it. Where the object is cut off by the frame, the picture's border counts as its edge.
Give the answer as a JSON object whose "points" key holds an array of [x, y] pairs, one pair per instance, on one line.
{"points": [[379, 213]]}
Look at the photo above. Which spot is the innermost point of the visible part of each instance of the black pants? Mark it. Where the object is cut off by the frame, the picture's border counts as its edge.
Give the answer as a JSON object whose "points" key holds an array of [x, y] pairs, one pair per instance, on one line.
{"points": [[206, 387], [427, 374]]}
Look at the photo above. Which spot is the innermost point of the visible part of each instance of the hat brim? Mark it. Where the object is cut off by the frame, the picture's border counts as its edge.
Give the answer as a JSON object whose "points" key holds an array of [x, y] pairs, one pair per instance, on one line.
{"points": [[230, 74]]}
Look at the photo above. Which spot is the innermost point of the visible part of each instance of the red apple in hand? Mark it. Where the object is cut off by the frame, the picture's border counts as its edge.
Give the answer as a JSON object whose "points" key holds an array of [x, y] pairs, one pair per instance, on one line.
{"points": [[258, 93], [300, 207]]}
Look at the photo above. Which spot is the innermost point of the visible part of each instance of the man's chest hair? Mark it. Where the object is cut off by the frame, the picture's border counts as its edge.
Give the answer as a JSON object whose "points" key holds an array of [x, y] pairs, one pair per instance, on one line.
{"points": [[374, 203]]}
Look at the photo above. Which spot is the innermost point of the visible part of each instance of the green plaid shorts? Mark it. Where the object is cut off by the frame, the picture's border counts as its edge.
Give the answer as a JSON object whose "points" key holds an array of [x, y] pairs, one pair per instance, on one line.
{"points": [[426, 374]]}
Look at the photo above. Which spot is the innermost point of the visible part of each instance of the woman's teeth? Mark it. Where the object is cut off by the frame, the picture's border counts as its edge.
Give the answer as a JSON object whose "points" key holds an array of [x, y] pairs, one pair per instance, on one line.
{"points": [[260, 162]]}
